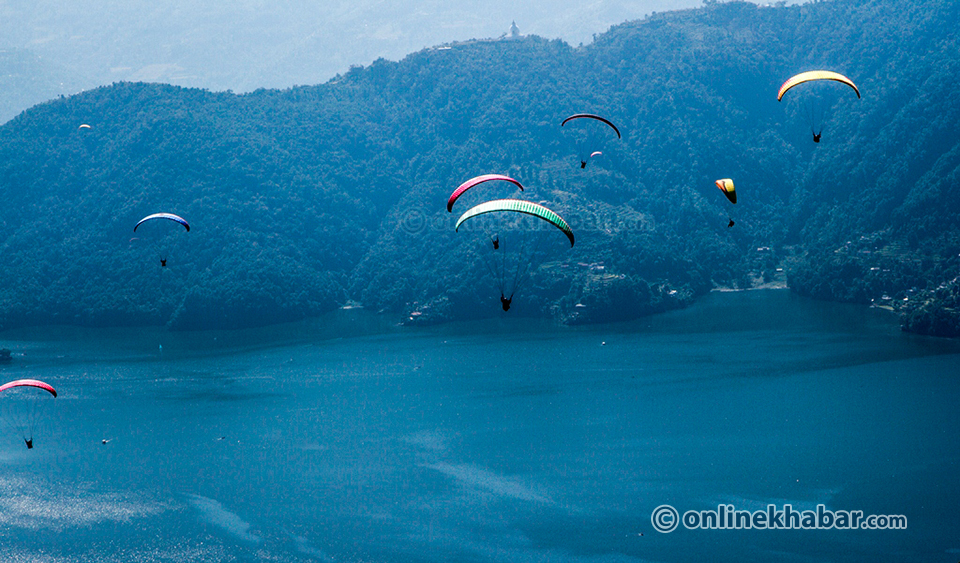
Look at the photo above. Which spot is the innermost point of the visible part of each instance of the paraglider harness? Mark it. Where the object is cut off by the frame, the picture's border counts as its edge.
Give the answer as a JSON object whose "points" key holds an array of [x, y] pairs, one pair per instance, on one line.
{"points": [[505, 302]]}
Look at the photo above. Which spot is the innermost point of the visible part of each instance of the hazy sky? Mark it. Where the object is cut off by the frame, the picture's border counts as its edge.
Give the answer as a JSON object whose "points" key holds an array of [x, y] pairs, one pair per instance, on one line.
{"points": [[247, 44]]}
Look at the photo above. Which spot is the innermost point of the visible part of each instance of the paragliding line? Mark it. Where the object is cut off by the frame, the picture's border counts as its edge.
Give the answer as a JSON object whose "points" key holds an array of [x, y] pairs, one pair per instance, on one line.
{"points": [[521, 278]]}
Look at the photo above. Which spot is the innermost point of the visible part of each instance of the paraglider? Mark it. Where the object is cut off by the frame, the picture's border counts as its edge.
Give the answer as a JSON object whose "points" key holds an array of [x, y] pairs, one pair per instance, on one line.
{"points": [[814, 105], [23, 402], [590, 135], [165, 216], [520, 222], [726, 186], [83, 126]]}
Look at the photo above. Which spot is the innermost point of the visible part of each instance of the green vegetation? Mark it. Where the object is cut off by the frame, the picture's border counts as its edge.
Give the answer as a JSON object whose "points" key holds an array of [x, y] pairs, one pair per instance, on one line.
{"points": [[302, 199], [935, 311]]}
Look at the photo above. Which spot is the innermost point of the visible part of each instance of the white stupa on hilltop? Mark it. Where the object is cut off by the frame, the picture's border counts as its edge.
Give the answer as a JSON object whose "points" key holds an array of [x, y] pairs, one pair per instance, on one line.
{"points": [[514, 30]]}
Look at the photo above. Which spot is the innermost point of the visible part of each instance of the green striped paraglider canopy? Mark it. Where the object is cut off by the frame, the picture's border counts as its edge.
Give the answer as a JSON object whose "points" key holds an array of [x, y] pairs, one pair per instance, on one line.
{"points": [[518, 206]]}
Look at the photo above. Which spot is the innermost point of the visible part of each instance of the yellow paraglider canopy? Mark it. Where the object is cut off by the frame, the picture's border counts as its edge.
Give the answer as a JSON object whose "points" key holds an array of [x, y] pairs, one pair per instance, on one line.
{"points": [[726, 186], [815, 75]]}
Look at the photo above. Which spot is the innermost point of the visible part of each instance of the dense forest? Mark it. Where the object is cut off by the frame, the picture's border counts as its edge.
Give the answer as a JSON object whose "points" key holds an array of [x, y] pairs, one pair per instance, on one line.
{"points": [[312, 198]]}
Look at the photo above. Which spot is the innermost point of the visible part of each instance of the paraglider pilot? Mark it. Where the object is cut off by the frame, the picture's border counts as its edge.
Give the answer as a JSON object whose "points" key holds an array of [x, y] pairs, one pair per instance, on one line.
{"points": [[496, 243], [505, 302]]}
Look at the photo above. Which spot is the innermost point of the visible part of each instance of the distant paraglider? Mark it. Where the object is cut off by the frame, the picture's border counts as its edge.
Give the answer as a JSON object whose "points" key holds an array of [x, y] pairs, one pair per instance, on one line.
{"points": [[164, 216], [814, 103], [591, 135], [23, 405], [593, 155], [726, 186]]}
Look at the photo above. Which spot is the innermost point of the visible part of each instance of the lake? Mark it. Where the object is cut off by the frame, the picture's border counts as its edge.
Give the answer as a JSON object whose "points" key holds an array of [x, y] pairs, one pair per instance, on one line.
{"points": [[347, 438]]}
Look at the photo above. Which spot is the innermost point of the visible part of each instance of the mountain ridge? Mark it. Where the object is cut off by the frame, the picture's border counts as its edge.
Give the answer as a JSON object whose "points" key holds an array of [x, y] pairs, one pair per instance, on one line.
{"points": [[308, 197]]}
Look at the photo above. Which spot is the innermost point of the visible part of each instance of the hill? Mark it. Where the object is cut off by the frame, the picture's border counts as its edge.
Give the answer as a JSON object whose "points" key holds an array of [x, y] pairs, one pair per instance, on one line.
{"points": [[305, 199]]}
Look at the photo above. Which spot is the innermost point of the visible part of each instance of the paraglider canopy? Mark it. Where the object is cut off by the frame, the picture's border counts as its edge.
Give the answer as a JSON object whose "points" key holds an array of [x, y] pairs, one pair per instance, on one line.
{"points": [[83, 126], [169, 216], [592, 131], [475, 181], [29, 383], [818, 96], [518, 206], [812, 75], [592, 116], [23, 408], [726, 186]]}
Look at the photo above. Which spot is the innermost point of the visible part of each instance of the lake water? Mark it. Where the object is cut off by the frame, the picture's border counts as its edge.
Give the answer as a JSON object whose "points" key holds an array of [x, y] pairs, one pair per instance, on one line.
{"points": [[349, 439]]}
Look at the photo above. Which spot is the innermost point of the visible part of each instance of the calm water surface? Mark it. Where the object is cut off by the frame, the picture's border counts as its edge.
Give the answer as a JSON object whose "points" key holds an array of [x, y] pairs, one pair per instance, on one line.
{"points": [[349, 439]]}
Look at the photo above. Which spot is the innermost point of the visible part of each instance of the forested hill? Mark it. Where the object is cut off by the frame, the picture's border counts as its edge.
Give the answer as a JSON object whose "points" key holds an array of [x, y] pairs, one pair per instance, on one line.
{"points": [[306, 199]]}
